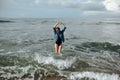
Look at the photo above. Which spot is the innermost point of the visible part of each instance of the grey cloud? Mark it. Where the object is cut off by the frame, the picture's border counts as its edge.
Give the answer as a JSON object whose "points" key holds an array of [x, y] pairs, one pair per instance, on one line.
{"points": [[89, 5], [101, 14], [7, 3]]}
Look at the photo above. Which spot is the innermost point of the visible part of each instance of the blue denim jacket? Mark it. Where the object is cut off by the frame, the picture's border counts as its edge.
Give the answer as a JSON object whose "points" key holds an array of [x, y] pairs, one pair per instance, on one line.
{"points": [[61, 34]]}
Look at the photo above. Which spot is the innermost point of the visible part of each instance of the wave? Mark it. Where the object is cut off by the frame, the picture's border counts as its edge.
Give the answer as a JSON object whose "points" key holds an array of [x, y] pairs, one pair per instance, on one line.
{"points": [[7, 60], [79, 58], [57, 65], [60, 64], [98, 46], [44, 22]]}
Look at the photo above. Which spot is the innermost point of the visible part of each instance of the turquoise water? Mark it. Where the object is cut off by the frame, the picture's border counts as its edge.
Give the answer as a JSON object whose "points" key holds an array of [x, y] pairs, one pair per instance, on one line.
{"points": [[91, 49]]}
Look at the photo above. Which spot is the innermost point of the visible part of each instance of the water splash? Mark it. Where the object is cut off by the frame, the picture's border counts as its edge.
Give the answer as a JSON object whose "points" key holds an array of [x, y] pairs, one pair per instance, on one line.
{"points": [[61, 64], [93, 75]]}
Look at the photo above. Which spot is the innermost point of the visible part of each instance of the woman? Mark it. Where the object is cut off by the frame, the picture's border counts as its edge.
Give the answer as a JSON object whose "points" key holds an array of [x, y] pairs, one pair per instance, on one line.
{"points": [[58, 37]]}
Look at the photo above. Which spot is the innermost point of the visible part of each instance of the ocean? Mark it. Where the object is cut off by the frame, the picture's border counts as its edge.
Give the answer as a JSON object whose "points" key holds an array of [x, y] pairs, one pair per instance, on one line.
{"points": [[91, 50]]}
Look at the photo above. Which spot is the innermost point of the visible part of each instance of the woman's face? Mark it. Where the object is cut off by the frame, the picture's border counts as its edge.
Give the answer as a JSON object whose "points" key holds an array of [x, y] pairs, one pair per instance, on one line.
{"points": [[57, 30]]}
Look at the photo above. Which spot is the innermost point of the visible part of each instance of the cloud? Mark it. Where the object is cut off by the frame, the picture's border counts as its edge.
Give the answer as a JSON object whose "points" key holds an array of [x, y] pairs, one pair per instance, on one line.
{"points": [[53, 8], [101, 14], [16, 3], [90, 5], [112, 5], [85, 5], [7, 2]]}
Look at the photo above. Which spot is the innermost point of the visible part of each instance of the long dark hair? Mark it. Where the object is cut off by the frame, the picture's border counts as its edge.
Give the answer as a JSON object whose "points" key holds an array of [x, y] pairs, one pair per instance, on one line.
{"points": [[57, 28]]}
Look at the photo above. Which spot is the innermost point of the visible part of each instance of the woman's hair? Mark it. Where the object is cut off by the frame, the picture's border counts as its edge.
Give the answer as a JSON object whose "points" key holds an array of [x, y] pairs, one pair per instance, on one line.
{"points": [[57, 28]]}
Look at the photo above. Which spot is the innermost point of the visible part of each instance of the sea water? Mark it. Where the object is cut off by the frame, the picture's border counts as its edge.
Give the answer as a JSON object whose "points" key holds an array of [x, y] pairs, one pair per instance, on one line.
{"points": [[91, 50]]}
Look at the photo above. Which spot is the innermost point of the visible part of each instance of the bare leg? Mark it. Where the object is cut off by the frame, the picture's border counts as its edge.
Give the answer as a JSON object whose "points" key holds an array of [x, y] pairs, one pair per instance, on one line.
{"points": [[59, 49], [56, 48]]}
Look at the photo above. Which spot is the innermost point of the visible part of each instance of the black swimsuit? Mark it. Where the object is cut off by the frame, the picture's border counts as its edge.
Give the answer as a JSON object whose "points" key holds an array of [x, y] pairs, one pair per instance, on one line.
{"points": [[59, 41]]}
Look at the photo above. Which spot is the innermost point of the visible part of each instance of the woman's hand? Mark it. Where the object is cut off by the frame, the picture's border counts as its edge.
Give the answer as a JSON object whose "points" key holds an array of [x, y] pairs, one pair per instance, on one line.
{"points": [[60, 22], [56, 24]]}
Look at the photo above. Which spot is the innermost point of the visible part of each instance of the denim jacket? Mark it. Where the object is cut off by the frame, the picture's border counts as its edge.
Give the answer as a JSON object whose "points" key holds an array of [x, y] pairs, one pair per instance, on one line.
{"points": [[61, 34]]}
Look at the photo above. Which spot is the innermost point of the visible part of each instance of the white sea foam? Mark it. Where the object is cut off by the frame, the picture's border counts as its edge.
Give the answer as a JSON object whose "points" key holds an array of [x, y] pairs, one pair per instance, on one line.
{"points": [[95, 75], [10, 75], [1, 50], [21, 51], [61, 64], [25, 69]]}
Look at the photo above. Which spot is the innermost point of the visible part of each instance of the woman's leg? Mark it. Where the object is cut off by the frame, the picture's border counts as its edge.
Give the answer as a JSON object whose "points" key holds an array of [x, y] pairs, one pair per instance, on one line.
{"points": [[56, 48], [59, 49]]}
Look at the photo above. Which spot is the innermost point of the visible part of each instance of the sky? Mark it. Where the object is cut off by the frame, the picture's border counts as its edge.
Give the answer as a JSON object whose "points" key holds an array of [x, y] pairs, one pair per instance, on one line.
{"points": [[60, 8]]}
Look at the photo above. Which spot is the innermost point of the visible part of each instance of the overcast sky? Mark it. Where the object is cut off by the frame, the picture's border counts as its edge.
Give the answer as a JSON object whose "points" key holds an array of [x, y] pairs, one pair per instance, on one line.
{"points": [[59, 8]]}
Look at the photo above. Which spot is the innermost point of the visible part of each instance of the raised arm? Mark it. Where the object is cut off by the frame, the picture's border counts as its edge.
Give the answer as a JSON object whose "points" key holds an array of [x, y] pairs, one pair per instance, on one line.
{"points": [[56, 24], [55, 27], [60, 22], [63, 26]]}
